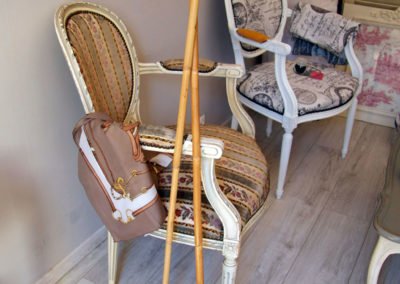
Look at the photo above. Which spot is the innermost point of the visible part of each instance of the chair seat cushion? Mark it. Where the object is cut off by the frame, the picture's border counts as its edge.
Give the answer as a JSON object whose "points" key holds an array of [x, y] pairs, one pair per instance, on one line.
{"points": [[242, 174], [313, 95]]}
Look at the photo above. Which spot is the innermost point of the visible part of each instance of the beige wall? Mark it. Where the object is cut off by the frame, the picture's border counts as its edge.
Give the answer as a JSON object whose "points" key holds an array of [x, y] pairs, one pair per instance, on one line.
{"points": [[44, 213]]}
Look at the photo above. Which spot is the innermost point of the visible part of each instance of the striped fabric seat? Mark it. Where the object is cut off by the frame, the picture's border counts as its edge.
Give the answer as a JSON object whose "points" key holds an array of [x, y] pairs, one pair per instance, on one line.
{"points": [[242, 174], [104, 60]]}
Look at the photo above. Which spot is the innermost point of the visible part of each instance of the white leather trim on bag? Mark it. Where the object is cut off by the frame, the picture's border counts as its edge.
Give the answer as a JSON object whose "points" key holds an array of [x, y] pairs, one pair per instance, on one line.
{"points": [[124, 205], [162, 160]]}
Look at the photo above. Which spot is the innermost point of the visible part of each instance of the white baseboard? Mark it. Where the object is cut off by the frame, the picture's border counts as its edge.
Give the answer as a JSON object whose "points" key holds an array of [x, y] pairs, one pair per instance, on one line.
{"points": [[71, 260], [373, 116]]}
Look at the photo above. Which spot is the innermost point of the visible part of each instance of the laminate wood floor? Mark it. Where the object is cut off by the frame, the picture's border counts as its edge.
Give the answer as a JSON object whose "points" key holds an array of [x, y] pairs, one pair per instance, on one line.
{"points": [[319, 232]]}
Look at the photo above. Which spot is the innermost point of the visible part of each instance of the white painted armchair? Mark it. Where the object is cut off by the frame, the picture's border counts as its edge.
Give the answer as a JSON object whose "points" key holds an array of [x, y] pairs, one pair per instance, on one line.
{"points": [[274, 89], [106, 71]]}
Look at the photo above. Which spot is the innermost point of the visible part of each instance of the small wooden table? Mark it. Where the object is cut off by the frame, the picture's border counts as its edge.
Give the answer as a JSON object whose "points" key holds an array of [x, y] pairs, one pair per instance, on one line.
{"points": [[387, 217]]}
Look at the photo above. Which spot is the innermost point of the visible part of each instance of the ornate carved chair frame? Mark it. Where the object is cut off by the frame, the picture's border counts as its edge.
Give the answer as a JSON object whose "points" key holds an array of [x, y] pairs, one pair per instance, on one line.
{"points": [[290, 117], [211, 149]]}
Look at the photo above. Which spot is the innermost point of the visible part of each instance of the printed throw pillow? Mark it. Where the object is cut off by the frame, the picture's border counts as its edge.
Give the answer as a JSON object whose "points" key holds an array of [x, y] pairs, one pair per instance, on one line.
{"points": [[328, 30]]}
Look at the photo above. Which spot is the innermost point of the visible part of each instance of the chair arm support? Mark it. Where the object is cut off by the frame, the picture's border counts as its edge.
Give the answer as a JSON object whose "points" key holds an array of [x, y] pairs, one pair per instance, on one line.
{"points": [[272, 45], [355, 66], [288, 96], [226, 212], [162, 139], [220, 70]]}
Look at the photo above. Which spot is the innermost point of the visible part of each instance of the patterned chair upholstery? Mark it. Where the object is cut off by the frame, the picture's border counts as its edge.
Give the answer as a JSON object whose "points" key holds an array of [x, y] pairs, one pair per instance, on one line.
{"points": [[241, 173], [274, 89], [105, 68], [260, 16], [334, 90]]}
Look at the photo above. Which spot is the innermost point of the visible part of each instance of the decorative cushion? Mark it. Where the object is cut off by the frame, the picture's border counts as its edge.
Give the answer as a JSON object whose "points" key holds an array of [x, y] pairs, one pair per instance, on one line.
{"points": [[176, 64], [104, 62], [335, 89], [242, 174], [257, 15], [328, 30]]}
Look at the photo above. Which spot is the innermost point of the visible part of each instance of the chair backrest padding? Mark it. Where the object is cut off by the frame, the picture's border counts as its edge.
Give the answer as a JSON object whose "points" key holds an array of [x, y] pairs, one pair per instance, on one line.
{"points": [[258, 15], [104, 61]]}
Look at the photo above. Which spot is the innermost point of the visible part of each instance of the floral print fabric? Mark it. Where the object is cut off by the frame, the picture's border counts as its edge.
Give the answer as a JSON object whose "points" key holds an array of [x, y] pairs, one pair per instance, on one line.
{"points": [[104, 62], [378, 49], [242, 174]]}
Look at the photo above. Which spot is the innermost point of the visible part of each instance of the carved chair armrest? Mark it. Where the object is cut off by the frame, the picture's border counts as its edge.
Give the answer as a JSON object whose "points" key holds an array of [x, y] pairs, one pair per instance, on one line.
{"points": [[206, 68], [272, 45], [355, 65], [281, 50], [229, 71], [162, 139]]}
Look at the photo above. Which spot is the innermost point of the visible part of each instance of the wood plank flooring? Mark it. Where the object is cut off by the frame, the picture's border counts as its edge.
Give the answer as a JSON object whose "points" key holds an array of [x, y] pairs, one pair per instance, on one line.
{"points": [[319, 232]]}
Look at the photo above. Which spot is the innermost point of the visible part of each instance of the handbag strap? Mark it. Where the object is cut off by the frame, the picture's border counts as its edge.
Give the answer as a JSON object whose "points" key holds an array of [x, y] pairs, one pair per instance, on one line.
{"points": [[86, 119]]}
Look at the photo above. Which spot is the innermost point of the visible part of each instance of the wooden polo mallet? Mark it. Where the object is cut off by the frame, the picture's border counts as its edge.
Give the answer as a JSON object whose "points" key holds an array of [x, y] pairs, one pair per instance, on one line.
{"points": [[190, 72]]}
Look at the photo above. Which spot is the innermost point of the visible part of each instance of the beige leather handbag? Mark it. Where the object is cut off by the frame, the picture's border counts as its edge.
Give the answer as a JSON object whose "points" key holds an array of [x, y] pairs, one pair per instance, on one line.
{"points": [[116, 177]]}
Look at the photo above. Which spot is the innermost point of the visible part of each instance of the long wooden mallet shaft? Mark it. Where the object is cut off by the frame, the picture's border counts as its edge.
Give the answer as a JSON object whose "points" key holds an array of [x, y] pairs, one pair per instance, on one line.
{"points": [[198, 232], [187, 65]]}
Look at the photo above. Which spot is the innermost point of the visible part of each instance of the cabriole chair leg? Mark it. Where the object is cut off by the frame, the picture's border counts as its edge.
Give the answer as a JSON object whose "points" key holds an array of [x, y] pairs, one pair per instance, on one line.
{"points": [[112, 259], [285, 154], [269, 127], [349, 127], [229, 271], [234, 123], [231, 253]]}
